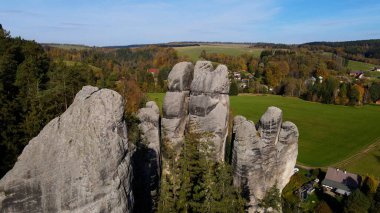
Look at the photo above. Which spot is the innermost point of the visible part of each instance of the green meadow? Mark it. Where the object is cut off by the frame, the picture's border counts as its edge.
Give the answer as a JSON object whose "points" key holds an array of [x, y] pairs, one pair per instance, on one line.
{"points": [[193, 52], [328, 133], [357, 65]]}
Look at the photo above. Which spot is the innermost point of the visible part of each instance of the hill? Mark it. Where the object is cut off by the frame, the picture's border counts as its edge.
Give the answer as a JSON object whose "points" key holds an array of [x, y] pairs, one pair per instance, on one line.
{"points": [[193, 52]]}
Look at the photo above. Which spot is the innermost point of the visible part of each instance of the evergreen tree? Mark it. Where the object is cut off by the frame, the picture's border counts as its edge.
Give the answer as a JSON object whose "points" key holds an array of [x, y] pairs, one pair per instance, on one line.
{"points": [[234, 90], [356, 202], [271, 199], [375, 207], [201, 184]]}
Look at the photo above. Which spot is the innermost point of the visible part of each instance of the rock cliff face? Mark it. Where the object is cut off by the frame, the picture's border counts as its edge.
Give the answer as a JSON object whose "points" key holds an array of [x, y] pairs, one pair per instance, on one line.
{"points": [[146, 159], [197, 101], [263, 156], [79, 162], [175, 105], [209, 104]]}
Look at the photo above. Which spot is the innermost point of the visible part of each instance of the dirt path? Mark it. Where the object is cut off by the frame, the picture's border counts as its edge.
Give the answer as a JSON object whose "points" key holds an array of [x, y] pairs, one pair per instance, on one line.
{"points": [[358, 155]]}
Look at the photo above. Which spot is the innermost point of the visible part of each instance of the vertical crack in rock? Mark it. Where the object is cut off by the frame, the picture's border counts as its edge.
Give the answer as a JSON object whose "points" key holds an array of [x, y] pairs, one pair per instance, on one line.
{"points": [[79, 162], [264, 156]]}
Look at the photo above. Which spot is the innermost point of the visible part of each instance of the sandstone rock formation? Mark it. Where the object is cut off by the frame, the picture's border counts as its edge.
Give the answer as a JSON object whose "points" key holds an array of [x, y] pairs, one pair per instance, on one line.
{"points": [[175, 105], [79, 162], [150, 128], [263, 156], [209, 104], [197, 101], [147, 161]]}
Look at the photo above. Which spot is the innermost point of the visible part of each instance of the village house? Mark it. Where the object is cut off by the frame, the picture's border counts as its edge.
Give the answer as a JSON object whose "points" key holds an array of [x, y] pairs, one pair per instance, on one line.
{"points": [[237, 76], [153, 71], [306, 190], [340, 182], [357, 74]]}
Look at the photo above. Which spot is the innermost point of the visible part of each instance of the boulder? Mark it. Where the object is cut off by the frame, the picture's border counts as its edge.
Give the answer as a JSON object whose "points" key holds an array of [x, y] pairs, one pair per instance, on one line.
{"points": [[263, 156], [79, 162]]}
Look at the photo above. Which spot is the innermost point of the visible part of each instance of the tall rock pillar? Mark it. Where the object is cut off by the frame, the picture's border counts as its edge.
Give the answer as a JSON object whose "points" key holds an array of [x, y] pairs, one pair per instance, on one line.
{"points": [[264, 156], [209, 104], [176, 104]]}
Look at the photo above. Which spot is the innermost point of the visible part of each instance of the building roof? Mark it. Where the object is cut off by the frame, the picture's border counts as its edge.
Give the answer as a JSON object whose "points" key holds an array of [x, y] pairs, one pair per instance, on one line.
{"points": [[341, 179], [153, 70]]}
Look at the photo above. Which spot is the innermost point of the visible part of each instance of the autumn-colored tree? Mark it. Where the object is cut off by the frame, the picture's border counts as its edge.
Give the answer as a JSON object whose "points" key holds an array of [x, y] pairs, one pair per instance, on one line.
{"points": [[321, 70], [131, 92]]}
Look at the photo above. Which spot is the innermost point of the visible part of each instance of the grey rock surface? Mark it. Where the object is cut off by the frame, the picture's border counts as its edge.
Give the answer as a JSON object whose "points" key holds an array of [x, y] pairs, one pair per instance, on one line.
{"points": [[197, 101], [209, 104], [176, 105], [210, 80], [79, 162], [263, 156], [209, 114], [146, 160], [180, 77], [150, 128]]}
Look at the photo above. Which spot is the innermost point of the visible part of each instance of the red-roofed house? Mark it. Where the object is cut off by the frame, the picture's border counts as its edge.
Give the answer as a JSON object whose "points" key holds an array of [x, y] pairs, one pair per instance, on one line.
{"points": [[154, 71]]}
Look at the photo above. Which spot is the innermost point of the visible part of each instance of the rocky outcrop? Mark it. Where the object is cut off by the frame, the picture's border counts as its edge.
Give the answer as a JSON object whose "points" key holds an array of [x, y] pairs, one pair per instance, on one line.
{"points": [[146, 159], [175, 105], [150, 128], [79, 162], [263, 156], [197, 101], [209, 104]]}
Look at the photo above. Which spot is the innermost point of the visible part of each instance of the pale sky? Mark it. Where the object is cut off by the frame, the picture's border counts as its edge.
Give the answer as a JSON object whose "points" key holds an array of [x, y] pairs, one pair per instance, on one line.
{"points": [[124, 22]]}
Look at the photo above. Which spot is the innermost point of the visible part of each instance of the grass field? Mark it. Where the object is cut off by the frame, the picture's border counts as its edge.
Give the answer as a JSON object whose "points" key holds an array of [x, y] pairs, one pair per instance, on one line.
{"points": [[328, 133], [357, 65], [361, 165], [193, 52], [72, 63]]}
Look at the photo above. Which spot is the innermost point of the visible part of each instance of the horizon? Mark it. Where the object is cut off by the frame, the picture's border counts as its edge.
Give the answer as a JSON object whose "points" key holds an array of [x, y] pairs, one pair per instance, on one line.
{"points": [[131, 22]]}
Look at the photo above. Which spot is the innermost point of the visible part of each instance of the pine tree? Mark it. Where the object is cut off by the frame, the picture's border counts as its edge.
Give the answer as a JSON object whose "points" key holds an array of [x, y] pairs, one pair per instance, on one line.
{"points": [[375, 208], [271, 199], [356, 202], [234, 90]]}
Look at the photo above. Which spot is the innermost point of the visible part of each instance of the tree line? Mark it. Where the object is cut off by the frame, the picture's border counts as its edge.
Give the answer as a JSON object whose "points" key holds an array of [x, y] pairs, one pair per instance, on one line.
{"points": [[320, 77]]}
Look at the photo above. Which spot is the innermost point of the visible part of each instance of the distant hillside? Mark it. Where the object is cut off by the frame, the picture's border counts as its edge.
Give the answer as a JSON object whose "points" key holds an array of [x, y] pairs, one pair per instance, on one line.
{"points": [[358, 43], [66, 46], [364, 50]]}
